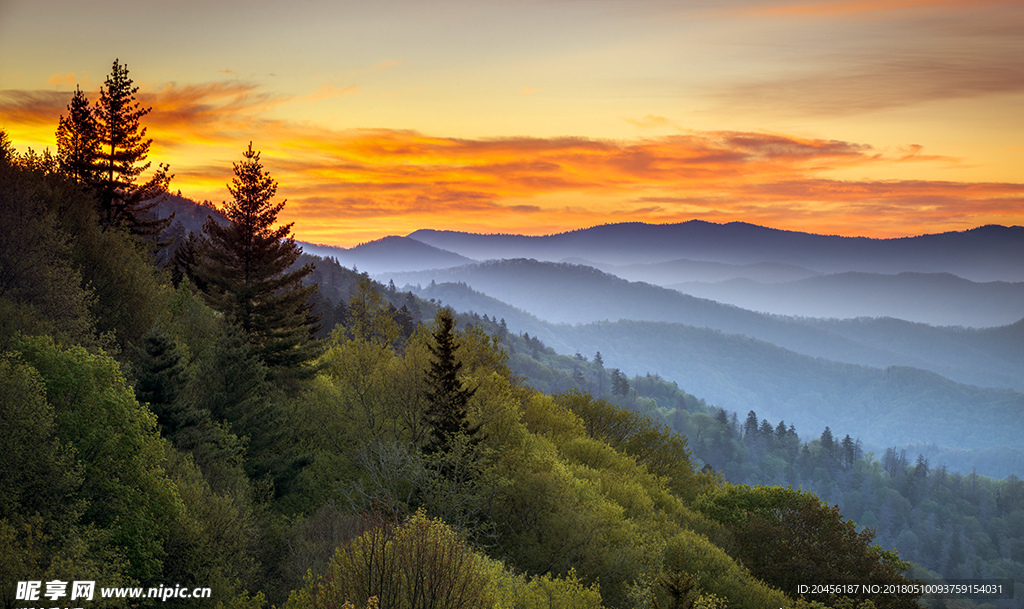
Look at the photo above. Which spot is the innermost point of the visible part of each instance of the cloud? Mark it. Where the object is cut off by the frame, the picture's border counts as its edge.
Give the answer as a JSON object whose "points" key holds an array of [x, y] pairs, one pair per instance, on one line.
{"points": [[33, 107], [369, 182], [869, 55], [881, 82], [832, 8], [62, 79], [395, 179]]}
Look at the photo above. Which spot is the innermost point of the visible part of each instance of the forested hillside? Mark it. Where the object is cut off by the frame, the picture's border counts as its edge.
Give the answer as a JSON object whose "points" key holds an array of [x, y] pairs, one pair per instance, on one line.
{"points": [[201, 405], [951, 524], [164, 426], [739, 373]]}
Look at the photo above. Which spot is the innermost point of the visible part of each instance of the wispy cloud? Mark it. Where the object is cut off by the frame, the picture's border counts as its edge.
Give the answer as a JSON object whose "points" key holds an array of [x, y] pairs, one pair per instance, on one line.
{"points": [[67, 79], [349, 185], [869, 55], [848, 86], [32, 107], [831, 8]]}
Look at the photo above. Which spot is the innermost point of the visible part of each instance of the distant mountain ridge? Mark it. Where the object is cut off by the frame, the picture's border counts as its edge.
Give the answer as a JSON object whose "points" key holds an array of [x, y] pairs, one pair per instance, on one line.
{"points": [[686, 270], [389, 254], [987, 253], [886, 380], [939, 299], [561, 293], [874, 403]]}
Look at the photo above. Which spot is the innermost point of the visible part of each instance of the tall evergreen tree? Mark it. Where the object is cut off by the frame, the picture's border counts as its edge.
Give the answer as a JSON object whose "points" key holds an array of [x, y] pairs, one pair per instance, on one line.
{"points": [[78, 140], [828, 443], [247, 270], [620, 384], [121, 159], [447, 397]]}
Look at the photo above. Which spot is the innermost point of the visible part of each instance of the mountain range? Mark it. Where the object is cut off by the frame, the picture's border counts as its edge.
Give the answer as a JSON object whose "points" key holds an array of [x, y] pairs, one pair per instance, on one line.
{"points": [[987, 253], [914, 341]]}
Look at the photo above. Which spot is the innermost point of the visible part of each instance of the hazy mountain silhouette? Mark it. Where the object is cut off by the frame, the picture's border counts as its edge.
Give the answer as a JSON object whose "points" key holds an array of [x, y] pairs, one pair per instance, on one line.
{"points": [[684, 270], [562, 293], [382, 255], [388, 254], [940, 299], [988, 253], [740, 373], [882, 406], [188, 213], [868, 377]]}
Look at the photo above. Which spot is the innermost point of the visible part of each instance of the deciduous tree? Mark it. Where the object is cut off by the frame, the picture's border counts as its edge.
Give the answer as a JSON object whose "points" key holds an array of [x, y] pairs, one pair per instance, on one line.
{"points": [[787, 538]]}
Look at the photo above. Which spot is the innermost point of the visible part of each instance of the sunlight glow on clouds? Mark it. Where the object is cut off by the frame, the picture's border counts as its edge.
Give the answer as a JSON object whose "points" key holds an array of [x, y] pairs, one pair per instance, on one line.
{"points": [[856, 117], [346, 186]]}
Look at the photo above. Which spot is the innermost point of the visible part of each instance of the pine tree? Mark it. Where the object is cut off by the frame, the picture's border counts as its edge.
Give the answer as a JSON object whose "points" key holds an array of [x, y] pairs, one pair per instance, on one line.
{"points": [[620, 384], [247, 270], [160, 377], [185, 261], [828, 443], [121, 159], [447, 398], [751, 428], [78, 140]]}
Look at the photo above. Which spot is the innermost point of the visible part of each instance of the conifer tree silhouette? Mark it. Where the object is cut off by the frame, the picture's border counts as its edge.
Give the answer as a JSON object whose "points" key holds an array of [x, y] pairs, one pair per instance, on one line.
{"points": [[78, 141], [447, 397], [245, 271], [121, 159]]}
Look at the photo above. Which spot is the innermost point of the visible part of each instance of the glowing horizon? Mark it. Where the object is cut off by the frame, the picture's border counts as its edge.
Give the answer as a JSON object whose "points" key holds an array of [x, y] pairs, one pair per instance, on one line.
{"points": [[847, 117]]}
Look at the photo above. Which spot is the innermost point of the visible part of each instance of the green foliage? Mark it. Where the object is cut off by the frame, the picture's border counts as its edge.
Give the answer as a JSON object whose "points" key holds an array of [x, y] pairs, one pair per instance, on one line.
{"points": [[715, 573], [67, 275], [788, 538], [423, 563], [124, 488], [130, 295], [662, 451], [508, 590], [41, 287], [40, 473], [418, 565], [28, 552], [230, 383], [213, 543], [159, 378], [368, 316]]}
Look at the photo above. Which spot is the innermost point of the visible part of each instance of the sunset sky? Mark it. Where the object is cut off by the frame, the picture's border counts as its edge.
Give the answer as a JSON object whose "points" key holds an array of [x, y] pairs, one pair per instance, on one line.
{"points": [[855, 117]]}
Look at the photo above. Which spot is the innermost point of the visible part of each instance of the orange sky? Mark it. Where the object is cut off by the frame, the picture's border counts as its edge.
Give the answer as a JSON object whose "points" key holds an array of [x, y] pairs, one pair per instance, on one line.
{"points": [[844, 117]]}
